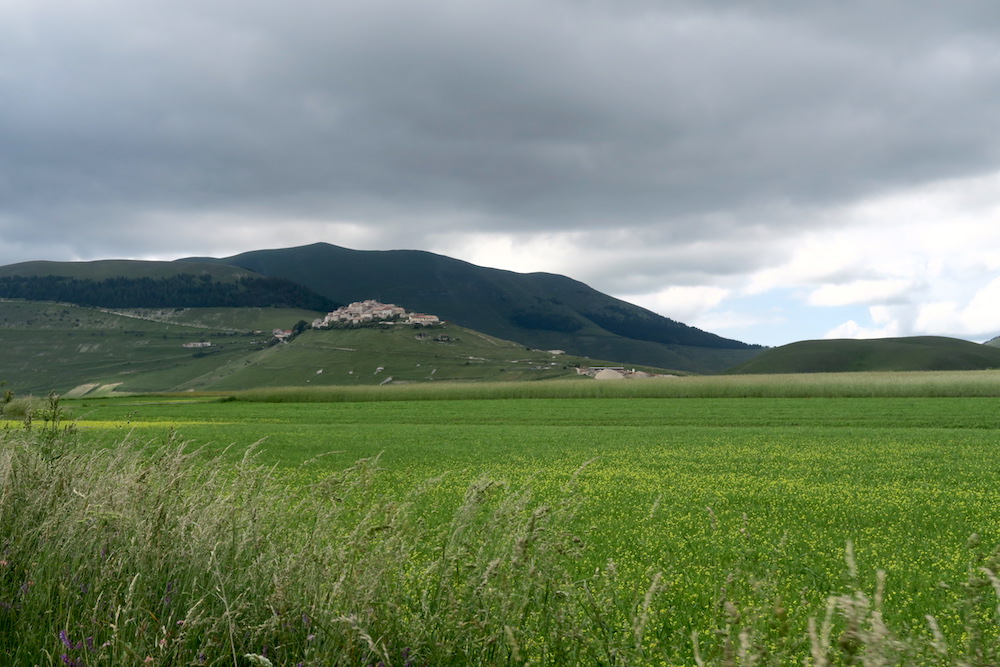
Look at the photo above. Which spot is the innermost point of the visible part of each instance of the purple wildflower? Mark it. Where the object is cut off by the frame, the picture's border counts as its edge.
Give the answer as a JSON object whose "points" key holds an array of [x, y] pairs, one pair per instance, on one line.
{"points": [[167, 597]]}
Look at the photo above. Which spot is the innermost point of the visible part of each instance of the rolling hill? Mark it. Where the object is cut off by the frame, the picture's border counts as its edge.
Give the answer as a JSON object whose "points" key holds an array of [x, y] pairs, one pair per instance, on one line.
{"points": [[885, 354], [540, 310], [78, 351]]}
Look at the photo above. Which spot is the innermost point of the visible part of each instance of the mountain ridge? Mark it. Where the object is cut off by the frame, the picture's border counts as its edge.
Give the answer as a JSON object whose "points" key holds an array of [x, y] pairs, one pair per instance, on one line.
{"points": [[539, 309]]}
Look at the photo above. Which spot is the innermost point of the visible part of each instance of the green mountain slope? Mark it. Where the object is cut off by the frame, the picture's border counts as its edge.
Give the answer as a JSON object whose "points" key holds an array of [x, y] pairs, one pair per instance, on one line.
{"points": [[57, 347], [540, 310], [87, 351], [398, 354], [885, 354]]}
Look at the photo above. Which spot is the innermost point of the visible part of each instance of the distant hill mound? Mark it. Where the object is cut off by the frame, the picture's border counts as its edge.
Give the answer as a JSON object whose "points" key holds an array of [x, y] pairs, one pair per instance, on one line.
{"points": [[918, 353], [541, 310]]}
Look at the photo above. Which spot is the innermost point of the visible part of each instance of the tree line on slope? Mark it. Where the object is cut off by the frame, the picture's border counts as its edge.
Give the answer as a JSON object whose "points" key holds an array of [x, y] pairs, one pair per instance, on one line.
{"points": [[182, 290]]}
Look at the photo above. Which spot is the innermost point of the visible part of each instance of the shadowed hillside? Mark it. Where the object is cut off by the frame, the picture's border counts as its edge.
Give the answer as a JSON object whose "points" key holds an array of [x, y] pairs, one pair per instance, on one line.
{"points": [[541, 310], [538, 310], [118, 268], [885, 354], [137, 284]]}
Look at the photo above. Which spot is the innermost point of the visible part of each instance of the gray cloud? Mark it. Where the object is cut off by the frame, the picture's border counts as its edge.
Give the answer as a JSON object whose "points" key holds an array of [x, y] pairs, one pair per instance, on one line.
{"points": [[676, 122], [523, 111]]}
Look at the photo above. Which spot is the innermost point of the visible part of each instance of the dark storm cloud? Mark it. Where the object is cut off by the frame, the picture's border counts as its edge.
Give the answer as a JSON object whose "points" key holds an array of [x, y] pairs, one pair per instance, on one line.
{"points": [[679, 120]]}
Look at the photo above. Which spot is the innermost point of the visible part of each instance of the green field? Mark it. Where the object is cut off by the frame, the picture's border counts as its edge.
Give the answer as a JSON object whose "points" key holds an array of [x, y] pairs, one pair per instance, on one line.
{"points": [[676, 529]]}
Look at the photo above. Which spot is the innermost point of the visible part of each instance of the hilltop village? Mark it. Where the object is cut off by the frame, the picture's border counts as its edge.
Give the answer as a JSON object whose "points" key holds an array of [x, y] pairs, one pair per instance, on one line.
{"points": [[369, 311]]}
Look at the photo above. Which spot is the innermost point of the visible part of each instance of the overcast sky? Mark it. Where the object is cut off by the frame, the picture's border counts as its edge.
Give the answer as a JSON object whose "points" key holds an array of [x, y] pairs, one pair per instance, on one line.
{"points": [[770, 171]]}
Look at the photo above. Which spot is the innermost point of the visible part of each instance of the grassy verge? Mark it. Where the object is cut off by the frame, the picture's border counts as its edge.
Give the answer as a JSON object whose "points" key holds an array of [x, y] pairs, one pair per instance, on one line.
{"points": [[929, 384]]}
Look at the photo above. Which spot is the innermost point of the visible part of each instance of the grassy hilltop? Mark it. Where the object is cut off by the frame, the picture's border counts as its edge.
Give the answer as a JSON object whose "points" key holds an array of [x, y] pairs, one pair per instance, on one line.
{"points": [[541, 310], [69, 348]]}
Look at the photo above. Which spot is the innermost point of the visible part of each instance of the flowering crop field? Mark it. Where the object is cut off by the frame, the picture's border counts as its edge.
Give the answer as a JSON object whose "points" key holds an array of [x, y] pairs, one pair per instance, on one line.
{"points": [[706, 514]]}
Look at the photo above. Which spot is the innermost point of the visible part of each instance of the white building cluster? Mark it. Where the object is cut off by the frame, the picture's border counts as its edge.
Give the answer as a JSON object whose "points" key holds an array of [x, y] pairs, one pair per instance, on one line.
{"points": [[614, 373], [361, 312]]}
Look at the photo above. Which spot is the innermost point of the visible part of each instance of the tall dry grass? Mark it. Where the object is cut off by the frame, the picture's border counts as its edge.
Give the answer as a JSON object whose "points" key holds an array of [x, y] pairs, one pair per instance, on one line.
{"points": [[929, 384]]}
